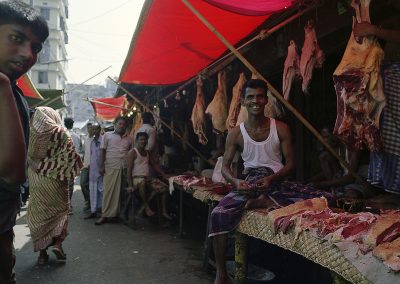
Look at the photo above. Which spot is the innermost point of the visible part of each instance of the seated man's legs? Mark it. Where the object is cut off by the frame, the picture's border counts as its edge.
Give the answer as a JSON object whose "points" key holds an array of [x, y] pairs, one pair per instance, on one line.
{"points": [[224, 218], [159, 187], [139, 183]]}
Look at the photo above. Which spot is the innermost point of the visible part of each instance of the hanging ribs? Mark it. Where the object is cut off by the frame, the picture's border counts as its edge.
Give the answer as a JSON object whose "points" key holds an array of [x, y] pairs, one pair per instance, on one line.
{"points": [[312, 55], [218, 108], [234, 108], [359, 90], [291, 69], [198, 116]]}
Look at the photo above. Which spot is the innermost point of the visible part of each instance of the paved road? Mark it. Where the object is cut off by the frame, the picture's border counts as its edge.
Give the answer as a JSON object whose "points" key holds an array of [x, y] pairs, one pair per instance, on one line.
{"points": [[111, 253]]}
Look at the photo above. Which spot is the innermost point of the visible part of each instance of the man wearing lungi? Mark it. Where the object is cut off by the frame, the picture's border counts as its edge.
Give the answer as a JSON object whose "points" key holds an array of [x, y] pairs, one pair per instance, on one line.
{"points": [[384, 168], [113, 153], [261, 141]]}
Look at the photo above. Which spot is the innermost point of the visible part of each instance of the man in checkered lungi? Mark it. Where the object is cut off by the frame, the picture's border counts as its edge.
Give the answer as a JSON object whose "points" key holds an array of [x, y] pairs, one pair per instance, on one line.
{"points": [[384, 167], [261, 141]]}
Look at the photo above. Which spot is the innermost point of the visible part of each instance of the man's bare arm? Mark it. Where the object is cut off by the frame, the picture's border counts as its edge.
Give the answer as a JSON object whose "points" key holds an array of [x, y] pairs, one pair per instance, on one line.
{"points": [[102, 159], [155, 165], [367, 29], [231, 146], [152, 140], [12, 139]]}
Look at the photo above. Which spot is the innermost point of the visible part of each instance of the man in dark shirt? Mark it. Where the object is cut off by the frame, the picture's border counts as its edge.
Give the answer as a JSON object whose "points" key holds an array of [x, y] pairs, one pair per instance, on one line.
{"points": [[22, 33]]}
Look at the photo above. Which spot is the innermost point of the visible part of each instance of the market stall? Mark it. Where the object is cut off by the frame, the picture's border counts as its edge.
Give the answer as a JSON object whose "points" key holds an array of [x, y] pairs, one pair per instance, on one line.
{"points": [[186, 57]]}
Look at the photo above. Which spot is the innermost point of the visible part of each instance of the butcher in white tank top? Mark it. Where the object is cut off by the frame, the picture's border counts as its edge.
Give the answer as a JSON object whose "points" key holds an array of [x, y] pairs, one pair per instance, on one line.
{"points": [[141, 165], [265, 153]]}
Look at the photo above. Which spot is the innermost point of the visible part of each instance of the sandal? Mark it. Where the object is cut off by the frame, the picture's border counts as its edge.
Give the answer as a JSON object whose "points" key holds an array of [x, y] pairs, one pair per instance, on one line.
{"points": [[43, 259], [59, 253]]}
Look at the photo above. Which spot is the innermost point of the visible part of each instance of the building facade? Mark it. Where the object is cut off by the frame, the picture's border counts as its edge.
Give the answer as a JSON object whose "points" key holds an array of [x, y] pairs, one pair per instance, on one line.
{"points": [[49, 71]]}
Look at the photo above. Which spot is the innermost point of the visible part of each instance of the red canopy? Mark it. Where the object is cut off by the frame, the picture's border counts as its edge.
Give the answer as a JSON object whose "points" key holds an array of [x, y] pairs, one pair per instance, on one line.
{"points": [[27, 87], [171, 44], [252, 7], [107, 108]]}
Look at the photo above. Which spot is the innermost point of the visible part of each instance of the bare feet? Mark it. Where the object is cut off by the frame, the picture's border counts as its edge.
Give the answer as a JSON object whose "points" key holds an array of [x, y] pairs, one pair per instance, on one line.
{"points": [[167, 216], [43, 257], [149, 212], [261, 202], [59, 253]]}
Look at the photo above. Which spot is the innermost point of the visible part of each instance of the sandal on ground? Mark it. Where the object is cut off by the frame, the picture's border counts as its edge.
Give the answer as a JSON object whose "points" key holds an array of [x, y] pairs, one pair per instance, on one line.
{"points": [[59, 253], [43, 259], [166, 216]]}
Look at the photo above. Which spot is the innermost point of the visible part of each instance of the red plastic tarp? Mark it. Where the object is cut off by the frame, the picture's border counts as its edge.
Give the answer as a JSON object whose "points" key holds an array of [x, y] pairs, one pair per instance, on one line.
{"points": [[252, 7], [171, 45], [106, 112], [27, 87]]}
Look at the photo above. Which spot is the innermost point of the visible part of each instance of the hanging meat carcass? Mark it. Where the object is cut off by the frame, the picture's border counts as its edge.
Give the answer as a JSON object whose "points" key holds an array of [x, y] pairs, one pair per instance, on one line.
{"points": [[218, 106], [274, 108], [312, 55], [234, 108], [198, 116], [359, 90], [291, 69]]}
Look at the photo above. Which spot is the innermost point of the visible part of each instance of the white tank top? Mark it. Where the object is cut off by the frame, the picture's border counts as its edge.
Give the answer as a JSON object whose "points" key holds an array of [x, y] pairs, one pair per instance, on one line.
{"points": [[141, 164], [266, 153]]}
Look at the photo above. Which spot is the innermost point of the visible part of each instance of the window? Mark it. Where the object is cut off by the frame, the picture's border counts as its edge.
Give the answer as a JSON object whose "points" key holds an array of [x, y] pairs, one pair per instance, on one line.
{"points": [[45, 13], [43, 78]]}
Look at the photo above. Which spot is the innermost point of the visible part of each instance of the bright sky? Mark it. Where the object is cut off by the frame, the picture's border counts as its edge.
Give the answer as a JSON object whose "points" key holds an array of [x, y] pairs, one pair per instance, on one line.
{"points": [[100, 32]]}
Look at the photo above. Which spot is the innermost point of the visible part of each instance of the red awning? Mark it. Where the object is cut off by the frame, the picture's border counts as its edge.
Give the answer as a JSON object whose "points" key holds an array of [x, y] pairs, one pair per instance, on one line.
{"points": [[252, 7], [171, 45], [27, 87], [107, 108]]}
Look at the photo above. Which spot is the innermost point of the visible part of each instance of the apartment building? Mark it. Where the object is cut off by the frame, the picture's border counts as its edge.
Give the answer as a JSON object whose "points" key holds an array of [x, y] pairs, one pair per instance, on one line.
{"points": [[49, 71]]}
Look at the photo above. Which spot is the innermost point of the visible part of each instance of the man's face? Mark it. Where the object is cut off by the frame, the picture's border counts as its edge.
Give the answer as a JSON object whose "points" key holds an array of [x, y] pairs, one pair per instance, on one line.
{"points": [[89, 129], [120, 127], [141, 142], [19, 48], [95, 130], [255, 100]]}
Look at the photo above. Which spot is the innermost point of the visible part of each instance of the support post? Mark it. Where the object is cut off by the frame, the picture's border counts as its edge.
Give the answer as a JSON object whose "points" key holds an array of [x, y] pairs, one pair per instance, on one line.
{"points": [[240, 258]]}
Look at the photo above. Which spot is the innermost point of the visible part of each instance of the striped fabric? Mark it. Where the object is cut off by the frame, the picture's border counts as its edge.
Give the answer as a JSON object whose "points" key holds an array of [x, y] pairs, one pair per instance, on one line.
{"points": [[384, 171], [391, 116], [384, 168], [47, 210], [51, 152]]}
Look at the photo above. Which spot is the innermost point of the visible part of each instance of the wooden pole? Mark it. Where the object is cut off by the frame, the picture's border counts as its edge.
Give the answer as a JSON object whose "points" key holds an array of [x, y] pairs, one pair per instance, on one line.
{"points": [[277, 95], [162, 121], [95, 75]]}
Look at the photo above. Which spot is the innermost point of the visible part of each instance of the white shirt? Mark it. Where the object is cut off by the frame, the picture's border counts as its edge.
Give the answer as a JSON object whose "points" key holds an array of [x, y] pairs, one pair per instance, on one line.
{"points": [[150, 130]]}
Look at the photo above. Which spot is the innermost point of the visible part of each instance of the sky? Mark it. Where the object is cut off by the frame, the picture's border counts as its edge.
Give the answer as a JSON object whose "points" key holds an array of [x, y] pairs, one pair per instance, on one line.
{"points": [[100, 32]]}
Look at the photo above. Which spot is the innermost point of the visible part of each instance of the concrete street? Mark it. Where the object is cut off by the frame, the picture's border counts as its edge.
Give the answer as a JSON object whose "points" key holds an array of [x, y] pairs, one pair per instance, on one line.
{"points": [[111, 253]]}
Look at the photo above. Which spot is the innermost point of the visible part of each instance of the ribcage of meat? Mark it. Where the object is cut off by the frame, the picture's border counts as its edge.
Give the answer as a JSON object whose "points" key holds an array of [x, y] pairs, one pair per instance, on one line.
{"points": [[386, 229], [389, 253], [274, 108], [315, 204], [234, 107], [218, 108], [359, 91], [198, 116], [311, 55], [291, 69], [242, 115]]}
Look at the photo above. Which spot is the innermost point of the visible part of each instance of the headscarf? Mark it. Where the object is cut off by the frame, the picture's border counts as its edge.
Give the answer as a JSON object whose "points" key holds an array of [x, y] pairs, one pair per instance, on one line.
{"points": [[51, 152]]}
